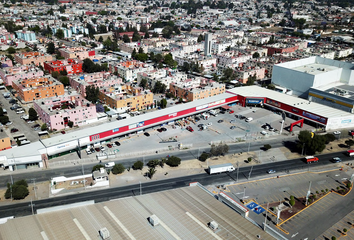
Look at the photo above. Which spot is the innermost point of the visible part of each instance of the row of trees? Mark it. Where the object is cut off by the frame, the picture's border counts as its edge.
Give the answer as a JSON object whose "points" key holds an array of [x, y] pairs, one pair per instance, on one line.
{"points": [[310, 143], [90, 67]]}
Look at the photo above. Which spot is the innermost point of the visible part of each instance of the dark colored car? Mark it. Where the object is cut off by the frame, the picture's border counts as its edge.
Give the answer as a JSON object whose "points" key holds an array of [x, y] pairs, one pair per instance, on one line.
{"points": [[63, 132], [220, 121], [117, 143], [147, 134], [92, 150], [164, 129], [159, 130], [109, 145], [35, 126], [97, 149], [13, 130]]}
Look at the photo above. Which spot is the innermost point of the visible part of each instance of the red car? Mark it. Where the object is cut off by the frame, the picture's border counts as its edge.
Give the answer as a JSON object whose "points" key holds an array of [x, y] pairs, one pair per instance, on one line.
{"points": [[109, 145], [62, 132], [190, 129], [232, 111]]}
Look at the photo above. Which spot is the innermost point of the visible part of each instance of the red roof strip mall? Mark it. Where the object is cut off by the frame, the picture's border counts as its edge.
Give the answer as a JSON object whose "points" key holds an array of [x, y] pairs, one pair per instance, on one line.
{"points": [[318, 115]]}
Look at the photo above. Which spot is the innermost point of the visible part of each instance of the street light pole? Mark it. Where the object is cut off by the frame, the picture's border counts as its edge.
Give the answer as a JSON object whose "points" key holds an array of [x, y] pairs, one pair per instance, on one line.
{"points": [[244, 192], [237, 172], [308, 194], [249, 175], [265, 220], [140, 188]]}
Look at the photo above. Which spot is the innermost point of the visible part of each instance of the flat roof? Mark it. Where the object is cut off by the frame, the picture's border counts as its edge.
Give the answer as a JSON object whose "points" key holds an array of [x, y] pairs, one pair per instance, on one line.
{"points": [[338, 90], [304, 104], [183, 213], [315, 68], [81, 133]]}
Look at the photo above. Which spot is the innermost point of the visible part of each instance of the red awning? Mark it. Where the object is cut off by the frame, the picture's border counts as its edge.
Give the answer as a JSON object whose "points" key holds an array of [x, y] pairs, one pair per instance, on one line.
{"points": [[225, 107]]}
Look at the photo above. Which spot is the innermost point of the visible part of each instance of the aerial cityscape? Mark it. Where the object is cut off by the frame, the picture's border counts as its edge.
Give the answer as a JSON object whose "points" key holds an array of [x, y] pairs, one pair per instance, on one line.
{"points": [[176, 120]]}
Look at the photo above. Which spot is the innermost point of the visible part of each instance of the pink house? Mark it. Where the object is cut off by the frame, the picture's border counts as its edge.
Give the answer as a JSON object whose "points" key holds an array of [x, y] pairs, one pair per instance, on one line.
{"points": [[98, 79], [5, 61], [10, 74], [77, 52], [57, 112]]}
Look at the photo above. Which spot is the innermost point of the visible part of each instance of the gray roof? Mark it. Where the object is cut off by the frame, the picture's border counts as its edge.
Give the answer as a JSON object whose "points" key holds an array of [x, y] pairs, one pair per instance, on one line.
{"points": [[81, 133], [183, 213]]}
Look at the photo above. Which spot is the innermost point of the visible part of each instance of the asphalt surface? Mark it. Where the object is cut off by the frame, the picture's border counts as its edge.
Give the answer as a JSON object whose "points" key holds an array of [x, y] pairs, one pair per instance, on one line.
{"points": [[70, 171], [22, 209]]}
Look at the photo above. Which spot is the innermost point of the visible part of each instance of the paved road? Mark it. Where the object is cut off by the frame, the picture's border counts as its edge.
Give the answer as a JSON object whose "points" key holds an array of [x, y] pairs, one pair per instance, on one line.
{"points": [[22, 209], [69, 171]]}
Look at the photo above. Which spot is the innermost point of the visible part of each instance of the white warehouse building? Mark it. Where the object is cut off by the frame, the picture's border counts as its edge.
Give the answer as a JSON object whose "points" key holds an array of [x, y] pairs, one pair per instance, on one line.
{"points": [[300, 75]]}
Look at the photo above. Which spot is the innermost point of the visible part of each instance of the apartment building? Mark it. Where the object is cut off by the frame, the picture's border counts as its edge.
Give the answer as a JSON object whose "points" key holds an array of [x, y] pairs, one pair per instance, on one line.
{"points": [[194, 89], [72, 66], [164, 75], [126, 97], [10, 74], [5, 142], [35, 58], [232, 58], [206, 62], [56, 112], [129, 70], [245, 73], [98, 79], [281, 48], [77, 52], [38, 88], [28, 36], [129, 47]]}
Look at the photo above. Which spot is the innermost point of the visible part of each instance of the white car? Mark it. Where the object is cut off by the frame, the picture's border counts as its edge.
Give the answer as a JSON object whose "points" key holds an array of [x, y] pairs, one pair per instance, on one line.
{"points": [[209, 124], [8, 123], [109, 164], [264, 133], [336, 132], [271, 171]]}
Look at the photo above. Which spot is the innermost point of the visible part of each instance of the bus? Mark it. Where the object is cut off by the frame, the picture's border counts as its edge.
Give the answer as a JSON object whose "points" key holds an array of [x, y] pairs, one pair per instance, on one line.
{"points": [[21, 135], [24, 142], [43, 133]]}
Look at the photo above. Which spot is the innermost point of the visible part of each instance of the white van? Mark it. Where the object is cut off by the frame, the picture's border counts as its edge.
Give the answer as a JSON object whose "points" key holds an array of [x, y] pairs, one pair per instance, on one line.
{"points": [[109, 164], [20, 111], [249, 119]]}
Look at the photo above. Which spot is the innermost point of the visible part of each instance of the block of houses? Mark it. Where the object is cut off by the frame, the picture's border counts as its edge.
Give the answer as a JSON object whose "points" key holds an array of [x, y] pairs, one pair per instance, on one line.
{"points": [[129, 70], [72, 66], [198, 88], [5, 142], [9, 74], [5, 61], [98, 79], [56, 112], [126, 97], [35, 58], [30, 89], [163, 75], [77, 52]]}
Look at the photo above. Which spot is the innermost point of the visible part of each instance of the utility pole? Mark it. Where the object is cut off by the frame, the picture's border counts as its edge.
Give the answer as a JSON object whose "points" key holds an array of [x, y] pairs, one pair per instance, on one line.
{"points": [[140, 188], [265, 220], [237, 171], [308, 194], [249, 175], [83, 175], [34, 187], [31, 205]]}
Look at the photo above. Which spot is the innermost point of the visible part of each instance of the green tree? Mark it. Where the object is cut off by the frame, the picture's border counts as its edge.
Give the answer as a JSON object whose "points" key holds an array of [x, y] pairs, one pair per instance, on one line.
{"points": [[97, 167], [18, 190], [44, 127], [173, 161], [100, 39], [147, 35], [349, 142], [200, 38], [70, 124], [92, 93], [118, 169], [143, 57], [50, 48], [136, 37], [163, 103], [63, 73], [203, 157], [314, 144], [32, 114], [256, 55], [292, 202], [126, 39], [60, 33], [220, 149], [143, 83], [55, 74], [64, 80], [267, 147], [153, 163], [138, 165], [11, 50], [1, 112], [151, 172], [4, 119]]}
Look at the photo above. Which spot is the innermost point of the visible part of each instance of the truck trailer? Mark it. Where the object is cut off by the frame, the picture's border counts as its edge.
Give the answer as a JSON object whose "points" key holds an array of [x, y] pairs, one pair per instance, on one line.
{"points": [[227, 167]]}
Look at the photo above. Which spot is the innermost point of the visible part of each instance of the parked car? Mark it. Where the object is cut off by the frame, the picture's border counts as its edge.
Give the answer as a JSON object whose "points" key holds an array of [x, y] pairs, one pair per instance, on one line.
{"points": [[209, 124], [97, 149], [20, 111], [109, 145], [62, 132], [264, 133], [8, 123], [147, 134], [189, 128], [220, 121], [36, 125], [232, 127], [164, 129], [232, 120], [102, 148], [88, 151], [29, 121], [159, 130], [232, 111], [92, 150], [117, 143], [13, 130], [37, 128], [336, 132]]}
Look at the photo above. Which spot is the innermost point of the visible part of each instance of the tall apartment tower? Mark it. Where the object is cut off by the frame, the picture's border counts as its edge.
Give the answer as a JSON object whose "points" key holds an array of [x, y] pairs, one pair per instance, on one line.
{"points": [[207, 44]]}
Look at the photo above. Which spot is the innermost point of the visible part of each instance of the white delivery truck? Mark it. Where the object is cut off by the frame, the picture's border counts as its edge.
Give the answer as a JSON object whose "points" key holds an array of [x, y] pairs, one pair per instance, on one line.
{"points": [[213, 112], [227, 167]]}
